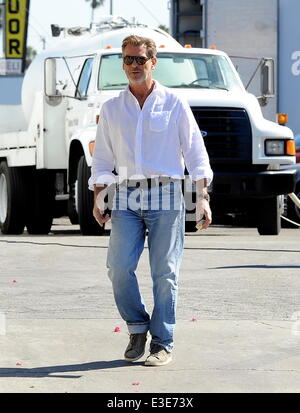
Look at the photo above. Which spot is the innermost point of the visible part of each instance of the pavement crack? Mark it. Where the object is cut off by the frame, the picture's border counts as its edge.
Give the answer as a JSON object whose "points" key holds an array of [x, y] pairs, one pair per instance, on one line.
{"points": [[273, 325]]}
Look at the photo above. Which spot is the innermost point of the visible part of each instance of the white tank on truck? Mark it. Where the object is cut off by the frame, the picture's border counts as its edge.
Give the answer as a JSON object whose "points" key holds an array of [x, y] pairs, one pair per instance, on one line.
{"points": [[44, 168]]}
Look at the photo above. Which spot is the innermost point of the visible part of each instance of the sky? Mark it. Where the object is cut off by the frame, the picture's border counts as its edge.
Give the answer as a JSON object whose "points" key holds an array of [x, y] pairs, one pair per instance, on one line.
{"points": [[70, 13]]}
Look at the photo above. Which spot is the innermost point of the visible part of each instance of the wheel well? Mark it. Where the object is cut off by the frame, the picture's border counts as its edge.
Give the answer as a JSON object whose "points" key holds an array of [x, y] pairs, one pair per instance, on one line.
{"points": [[76, 152]]}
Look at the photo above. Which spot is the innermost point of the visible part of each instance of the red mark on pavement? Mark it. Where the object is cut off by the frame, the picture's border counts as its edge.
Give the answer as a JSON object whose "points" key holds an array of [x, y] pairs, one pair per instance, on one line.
{"points": [[117, 330], [135, 383], [18, 364]]}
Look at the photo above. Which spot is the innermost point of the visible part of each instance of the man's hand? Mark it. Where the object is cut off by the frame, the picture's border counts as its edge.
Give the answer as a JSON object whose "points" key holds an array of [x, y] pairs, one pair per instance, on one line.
{"points": [[99, 216], [203, 214], [99, 205], [203, 211]]}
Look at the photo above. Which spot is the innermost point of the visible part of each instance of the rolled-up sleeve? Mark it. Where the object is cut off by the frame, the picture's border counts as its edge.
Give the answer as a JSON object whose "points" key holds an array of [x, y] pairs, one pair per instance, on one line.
{"points": [[103, 162], [192, 145]]}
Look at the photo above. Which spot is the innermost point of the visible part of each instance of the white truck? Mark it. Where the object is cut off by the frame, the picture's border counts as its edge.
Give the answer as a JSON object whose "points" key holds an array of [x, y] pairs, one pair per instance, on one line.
{"points": [[46, 144]]}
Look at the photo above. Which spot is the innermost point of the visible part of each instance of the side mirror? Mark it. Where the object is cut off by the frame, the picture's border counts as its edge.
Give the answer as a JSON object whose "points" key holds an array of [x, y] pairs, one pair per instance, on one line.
{"points": [[267, 78], [50, 78]]}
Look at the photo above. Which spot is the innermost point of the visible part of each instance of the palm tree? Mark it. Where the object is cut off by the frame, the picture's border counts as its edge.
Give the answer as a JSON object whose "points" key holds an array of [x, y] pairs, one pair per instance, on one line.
{"points": [[94, 5], [163, 27]]}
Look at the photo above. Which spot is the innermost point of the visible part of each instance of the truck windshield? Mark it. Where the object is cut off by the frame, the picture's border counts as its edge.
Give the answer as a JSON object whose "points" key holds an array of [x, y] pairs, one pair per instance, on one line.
{"points": [[175, 70]]}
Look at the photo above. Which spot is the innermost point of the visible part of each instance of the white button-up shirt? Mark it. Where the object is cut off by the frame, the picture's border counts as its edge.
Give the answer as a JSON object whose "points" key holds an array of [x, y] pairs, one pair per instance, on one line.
{"points": [[158, 139]]}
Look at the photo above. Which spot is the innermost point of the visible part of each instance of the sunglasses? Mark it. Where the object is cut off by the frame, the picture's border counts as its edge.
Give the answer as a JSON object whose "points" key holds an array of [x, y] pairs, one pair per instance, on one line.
{"points": [[141, 60]]}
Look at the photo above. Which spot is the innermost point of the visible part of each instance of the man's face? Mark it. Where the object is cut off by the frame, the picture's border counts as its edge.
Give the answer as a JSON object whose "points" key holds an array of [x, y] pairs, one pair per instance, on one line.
{"points": [[137, 74]]}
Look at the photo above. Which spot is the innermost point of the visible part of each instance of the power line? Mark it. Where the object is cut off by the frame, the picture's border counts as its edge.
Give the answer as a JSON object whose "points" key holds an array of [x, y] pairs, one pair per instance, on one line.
{"points": [[44, 38], [149, 11], [31, 16], [36, 30], [41, 37]]}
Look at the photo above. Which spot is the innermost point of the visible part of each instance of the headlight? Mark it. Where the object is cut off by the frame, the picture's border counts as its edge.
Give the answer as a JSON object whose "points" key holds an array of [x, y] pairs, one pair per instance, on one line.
{"points": [[274, 147]]}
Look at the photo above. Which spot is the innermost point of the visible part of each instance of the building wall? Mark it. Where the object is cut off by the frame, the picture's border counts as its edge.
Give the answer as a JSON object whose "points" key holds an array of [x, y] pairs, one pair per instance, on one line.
{"points": [[245, 28], [289, 62]]}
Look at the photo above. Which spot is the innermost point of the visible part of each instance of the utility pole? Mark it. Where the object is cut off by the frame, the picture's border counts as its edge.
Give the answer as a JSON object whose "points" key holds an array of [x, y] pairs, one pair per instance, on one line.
{"points": [[111, 7]]}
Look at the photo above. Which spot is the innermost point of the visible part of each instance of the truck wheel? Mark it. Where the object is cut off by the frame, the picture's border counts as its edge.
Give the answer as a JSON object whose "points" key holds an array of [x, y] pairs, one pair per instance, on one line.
{"points": [[41, 204], [190, 226], [12, 199], [72, 211], [85, 199], [269, 221]]}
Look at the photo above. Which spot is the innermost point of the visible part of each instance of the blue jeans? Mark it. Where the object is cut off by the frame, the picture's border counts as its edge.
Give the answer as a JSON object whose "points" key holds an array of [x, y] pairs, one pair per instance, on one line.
{"points": [[161, 212]]}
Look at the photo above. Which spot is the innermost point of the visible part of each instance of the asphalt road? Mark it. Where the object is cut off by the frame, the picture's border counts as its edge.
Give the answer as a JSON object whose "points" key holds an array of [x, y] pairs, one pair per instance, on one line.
{"points": [[238, 315]]}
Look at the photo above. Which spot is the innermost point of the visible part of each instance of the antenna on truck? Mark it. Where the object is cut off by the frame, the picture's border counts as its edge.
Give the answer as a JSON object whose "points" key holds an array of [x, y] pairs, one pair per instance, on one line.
{"points": [[106, 24], [114, 22]]}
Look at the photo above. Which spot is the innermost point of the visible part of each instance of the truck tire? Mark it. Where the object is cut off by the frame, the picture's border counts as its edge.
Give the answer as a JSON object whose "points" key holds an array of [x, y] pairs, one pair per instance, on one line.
{"points": [[85, 201], [12, 199], [190, 226], [72, 212], [269, 221], [41, 203]]}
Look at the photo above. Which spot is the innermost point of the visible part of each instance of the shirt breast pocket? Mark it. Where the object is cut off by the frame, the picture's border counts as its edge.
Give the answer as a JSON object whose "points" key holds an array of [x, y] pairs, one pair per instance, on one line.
{"points": [[159, 121]]}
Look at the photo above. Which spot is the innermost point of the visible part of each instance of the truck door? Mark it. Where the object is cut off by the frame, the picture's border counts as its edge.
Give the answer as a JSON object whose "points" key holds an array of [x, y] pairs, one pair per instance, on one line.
{"points": [[80, 109]]}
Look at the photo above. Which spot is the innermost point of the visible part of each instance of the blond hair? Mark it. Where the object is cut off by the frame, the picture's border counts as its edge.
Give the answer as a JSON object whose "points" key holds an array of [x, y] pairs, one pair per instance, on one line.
{"points": [[140, 41]]}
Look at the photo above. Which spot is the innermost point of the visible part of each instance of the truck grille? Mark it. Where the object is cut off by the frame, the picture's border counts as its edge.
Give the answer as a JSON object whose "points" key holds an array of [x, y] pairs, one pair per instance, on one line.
{"points": [[228, 137]]}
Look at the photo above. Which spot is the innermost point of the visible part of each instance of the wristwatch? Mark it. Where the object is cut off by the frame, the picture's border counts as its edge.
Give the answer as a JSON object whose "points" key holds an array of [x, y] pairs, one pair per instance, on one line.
{"points": [[203, 196]]}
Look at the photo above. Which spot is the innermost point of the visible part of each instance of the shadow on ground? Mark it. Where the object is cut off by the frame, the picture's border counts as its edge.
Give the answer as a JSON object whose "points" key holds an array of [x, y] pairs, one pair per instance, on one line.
{"points": [[52, 371]]}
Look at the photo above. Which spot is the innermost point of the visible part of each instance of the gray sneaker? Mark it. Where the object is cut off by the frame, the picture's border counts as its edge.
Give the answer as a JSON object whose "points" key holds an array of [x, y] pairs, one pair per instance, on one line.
{"points": [[136, 347], [159, 356]]}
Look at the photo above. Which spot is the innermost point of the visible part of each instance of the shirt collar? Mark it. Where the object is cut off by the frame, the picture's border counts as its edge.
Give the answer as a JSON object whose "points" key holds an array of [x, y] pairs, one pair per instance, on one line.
{"points": [[158, 93], [157, 88]]}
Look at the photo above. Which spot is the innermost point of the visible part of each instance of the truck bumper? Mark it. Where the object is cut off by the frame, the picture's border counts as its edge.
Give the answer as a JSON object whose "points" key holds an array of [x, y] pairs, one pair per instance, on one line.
{"points": [[253, 184]]}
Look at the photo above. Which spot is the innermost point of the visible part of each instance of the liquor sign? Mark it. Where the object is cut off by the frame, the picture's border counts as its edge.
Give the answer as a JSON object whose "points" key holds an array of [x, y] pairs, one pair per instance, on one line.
{"points": [[15, 34]]}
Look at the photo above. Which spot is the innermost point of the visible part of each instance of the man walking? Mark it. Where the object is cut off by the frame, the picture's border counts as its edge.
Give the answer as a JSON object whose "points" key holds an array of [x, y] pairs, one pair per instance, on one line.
{"points": [[151, 134]]}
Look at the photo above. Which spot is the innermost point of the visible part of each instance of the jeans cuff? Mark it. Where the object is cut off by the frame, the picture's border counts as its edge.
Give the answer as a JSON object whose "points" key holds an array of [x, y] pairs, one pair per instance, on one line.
{"points": [[167, 347], [137, 328]]}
